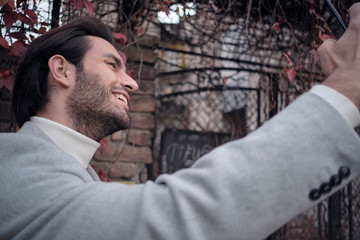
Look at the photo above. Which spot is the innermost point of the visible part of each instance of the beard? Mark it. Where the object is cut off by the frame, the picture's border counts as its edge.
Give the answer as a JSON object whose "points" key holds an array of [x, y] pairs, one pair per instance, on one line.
{"points": [[90, 109]]}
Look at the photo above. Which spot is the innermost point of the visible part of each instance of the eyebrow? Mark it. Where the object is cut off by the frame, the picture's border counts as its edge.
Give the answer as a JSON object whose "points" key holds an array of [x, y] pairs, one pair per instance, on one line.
{"points": [[115, 59]]}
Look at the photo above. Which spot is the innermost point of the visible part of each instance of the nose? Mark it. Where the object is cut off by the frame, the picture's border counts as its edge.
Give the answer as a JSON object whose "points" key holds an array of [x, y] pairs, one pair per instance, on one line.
{"points": [[128, 83]]}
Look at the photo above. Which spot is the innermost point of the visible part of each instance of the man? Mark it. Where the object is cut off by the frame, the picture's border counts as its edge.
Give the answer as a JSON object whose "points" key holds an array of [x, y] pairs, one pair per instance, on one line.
{"points": [[77, 93], [94, 105]]}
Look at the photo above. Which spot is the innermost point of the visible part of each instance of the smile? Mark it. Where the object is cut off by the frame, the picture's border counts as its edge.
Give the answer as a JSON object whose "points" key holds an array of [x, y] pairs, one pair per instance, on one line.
{"points": [[121, 97]]}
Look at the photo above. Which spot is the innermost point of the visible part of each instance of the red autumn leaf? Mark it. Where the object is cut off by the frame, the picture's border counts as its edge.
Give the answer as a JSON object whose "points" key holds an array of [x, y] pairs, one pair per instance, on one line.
{"points": [[103, 145], [103, 177], [123, 56], [18, 36], [79, 4], [10, 3], [291, 73], [167, 11], [276, 27], [26, 20], [10, 18], [120, 38], [4, 43], [7, 80], [288, 59], [7, 8], [17, 49], [323, 37], [131, 74], [32, 15], [89, 7]]}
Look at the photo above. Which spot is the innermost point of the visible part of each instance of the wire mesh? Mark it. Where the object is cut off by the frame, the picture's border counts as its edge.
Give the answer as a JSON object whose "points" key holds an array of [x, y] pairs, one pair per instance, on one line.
{"points": [[208, 111]]}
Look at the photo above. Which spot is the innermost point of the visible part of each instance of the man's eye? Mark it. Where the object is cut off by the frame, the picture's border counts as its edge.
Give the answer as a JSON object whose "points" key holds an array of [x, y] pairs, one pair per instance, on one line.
{"points": [[112, 64]]}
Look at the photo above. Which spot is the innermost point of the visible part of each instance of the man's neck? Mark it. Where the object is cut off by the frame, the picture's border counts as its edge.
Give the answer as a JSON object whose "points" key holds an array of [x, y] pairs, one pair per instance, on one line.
{"points": [[74, 143]]}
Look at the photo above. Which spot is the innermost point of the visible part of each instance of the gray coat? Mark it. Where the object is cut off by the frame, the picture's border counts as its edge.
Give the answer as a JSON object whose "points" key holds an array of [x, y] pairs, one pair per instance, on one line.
{"points": [[245, 189]]}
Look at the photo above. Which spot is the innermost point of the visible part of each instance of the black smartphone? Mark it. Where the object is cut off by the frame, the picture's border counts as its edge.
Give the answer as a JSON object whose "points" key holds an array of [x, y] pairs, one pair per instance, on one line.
{"points": [[333, 19]]}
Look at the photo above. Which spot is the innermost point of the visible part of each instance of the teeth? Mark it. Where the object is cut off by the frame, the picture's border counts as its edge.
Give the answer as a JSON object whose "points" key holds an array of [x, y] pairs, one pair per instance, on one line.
{"points": [[121, 97]]}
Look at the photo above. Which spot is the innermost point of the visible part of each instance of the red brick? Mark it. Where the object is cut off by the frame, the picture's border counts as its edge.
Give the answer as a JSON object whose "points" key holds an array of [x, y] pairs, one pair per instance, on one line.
{"points": [[146, 87], [140, 137], [140, 55], [125, 153], [119, 136], [147, 72], [134, 136], [142, 120], [112, 153], [121, 169], [136, 154], [142, 103]]}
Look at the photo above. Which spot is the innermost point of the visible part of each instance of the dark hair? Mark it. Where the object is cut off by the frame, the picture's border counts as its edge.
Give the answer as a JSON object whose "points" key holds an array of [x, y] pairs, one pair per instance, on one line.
{"points": [[30, 92]]}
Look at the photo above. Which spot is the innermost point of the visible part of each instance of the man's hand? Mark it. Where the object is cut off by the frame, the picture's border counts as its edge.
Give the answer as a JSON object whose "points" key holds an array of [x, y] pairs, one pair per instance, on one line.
{"points": [[340, 60]]}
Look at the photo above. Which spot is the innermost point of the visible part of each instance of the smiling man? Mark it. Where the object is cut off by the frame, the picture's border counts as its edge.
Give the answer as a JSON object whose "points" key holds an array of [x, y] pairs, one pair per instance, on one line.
{"points": [[88, 93], [93, 97], [71, 90]]}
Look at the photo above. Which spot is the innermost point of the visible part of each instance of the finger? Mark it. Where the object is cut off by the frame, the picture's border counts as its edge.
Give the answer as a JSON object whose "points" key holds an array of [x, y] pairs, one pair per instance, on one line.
{"points": [[354, 30], [354, 13]]}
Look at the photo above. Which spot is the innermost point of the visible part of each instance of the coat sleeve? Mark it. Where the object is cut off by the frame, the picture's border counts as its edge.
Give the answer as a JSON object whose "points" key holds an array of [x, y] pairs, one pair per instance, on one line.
{"points": [[245, 189]]}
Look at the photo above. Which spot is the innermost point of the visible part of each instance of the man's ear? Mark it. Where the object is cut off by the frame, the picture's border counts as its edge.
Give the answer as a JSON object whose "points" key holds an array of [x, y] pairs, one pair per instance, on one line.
{"points": [[61, 70]]}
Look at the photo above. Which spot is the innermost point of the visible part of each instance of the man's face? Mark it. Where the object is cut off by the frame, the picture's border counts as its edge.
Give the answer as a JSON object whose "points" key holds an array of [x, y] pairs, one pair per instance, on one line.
{"points": [[98, 104]]}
